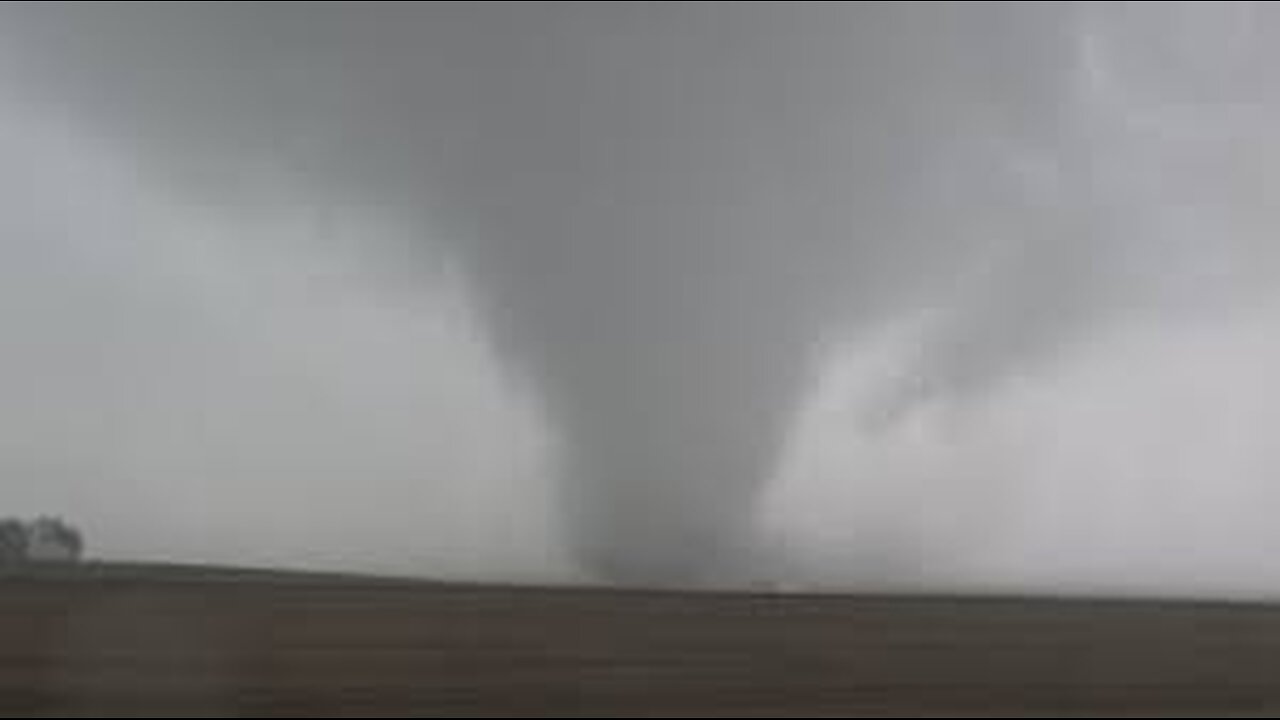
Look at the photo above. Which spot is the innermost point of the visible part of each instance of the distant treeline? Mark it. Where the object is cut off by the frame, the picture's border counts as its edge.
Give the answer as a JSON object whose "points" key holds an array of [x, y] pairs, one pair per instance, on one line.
{"points": [[44, 540]]}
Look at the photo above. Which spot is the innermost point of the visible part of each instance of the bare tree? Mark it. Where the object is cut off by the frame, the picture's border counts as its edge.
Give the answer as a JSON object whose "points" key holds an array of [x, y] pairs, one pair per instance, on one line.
{"points": [[53, 540], [14, 541]]}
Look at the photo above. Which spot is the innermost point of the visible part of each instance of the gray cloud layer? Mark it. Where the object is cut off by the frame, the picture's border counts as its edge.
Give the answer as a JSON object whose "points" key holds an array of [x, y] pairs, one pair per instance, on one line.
{"points": [[667, 215]]}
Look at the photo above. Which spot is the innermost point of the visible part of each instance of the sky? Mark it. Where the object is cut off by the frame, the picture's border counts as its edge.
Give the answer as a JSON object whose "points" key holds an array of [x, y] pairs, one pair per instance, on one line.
{"points": [[939, 296]]}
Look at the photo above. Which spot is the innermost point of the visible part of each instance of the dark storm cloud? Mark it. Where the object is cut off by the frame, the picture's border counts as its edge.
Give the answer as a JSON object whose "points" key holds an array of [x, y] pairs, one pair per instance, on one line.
{"points": [[666, 207], [667, 210]]}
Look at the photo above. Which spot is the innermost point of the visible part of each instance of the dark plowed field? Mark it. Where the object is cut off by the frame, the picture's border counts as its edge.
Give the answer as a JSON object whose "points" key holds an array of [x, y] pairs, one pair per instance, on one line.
{"points": [[161, 642]]}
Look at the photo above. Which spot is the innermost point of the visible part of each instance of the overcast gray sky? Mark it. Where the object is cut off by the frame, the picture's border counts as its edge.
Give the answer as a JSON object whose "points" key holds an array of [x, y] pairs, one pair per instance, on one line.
{"points": [[944, 294]]}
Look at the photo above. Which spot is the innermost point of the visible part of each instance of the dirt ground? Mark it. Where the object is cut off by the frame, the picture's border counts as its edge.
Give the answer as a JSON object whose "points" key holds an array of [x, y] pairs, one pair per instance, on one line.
{"points": [[185, 643]]}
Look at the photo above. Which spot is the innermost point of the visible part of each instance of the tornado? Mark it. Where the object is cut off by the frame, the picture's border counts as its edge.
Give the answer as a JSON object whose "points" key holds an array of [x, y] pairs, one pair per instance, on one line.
{"points": [[665, 209]]}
